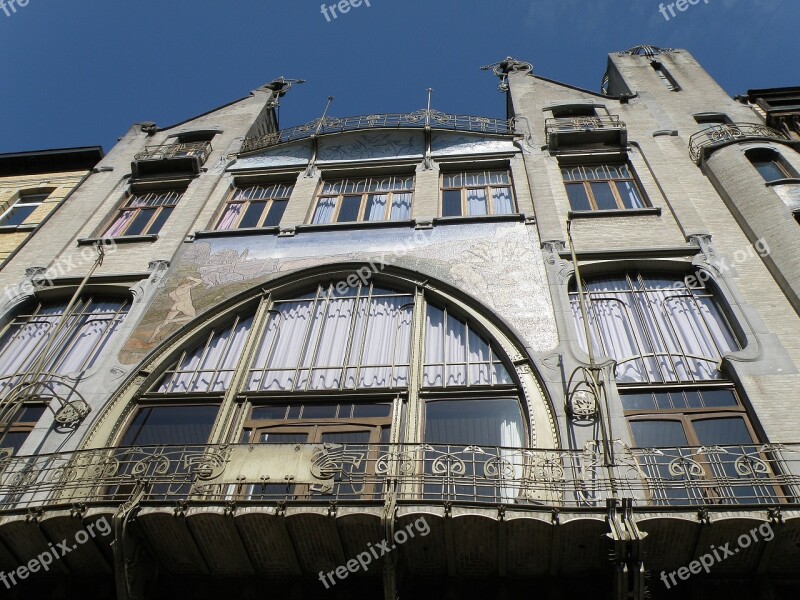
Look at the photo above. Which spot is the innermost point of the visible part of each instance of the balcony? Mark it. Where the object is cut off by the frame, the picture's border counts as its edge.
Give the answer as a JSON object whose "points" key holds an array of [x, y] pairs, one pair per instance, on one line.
{"points": [[704, 142], [420, 119], [585, 130], [171, 158], [292, 510]]}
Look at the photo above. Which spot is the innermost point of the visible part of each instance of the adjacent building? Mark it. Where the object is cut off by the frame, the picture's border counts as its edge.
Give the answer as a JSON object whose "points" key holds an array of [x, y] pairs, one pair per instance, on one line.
{"points": [[416, 355]]}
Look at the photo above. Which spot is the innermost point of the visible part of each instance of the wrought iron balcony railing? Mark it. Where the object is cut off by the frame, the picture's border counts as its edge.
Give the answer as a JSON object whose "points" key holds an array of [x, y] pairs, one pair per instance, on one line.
{"points": [[729, 475], [200, 150], [565, 130], [716, 136], [415, 120]]}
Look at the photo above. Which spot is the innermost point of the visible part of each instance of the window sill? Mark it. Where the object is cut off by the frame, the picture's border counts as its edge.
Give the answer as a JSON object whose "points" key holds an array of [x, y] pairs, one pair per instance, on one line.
{"points": [[784, 181], [214, 233], [628, 212], [127, 239], [17, 228], [355, 225], [478, 219]]}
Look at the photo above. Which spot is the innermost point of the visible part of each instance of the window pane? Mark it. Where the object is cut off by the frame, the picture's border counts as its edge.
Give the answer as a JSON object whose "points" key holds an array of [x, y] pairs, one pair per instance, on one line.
{"points": [[14, 440], [476, 202], [159, 221], [269, 413], [451, 203], [17, 214], [171, 425], [324, 211], [320, 411], [252, 215], [401, 207], [719, 398], [769, 170], [376, 207], [372, 410], [637, 401], [139, 222], [496, 422], [501, 198], [275, 213], [603, 196], [722, 432], [350, 207], [120, 223], [658, 434], [630, 194], [578, 199], [228, 218]]}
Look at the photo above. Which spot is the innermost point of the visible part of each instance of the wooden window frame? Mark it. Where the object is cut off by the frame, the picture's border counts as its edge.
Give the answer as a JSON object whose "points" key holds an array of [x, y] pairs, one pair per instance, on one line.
{"points": [[268, 202], [17, 426], [358, 181], [609, 180], [490, 208], [176, 195]]}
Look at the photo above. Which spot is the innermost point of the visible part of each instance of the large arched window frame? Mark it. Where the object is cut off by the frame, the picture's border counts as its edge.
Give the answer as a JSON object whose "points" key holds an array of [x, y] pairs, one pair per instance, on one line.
{"points": [[491, 368]]}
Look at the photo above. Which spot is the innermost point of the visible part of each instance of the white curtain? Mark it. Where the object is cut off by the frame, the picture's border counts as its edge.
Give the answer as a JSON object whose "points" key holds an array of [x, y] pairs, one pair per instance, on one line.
{"points": [[230, 216], [401, 207], [476, 202], [503, 205], [510, 438], [119, 224], [661, 333], [366, 340], [376, 207], [324, 212]]}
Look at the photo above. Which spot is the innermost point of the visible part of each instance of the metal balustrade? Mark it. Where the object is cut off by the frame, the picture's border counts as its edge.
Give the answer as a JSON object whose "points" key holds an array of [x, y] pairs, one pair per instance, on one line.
{"points": [[415, 120], [766, 474], [583, 129], [726, 133], [199, 150]]}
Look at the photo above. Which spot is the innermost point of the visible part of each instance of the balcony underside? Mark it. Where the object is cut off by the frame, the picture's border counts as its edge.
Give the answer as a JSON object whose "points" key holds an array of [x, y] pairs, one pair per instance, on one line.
{"points": [[299, 541]]}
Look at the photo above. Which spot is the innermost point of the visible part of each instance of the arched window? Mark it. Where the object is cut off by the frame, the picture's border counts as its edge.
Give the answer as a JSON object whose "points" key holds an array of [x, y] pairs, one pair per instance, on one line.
{"points": [[343, 364], [41, 347], [668, 335], [770, 164]]}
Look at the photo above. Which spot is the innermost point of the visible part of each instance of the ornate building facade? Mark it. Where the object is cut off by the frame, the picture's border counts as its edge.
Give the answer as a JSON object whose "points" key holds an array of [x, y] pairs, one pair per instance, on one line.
{"points": [[415, 355]]}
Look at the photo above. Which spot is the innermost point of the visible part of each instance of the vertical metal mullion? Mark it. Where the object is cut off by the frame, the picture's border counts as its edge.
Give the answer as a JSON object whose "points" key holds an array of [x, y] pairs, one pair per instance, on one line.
{"points": [[349, 346], [367, 318], [203, 355], [445, 321], [466, 353], [225, 350], [224, 423], [270, 353], [643, 325], [321, 331], [658, 328]]}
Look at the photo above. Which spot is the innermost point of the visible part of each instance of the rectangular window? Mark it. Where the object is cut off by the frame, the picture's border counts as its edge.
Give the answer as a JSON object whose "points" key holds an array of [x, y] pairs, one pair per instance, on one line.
{"points": [[476, 193], [19, 425], [367, 199], [256, 206], [20, 210], [143, 213], [602, 187]]}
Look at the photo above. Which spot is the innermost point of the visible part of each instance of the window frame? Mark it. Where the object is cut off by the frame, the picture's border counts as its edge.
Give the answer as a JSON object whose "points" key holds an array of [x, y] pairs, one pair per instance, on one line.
{"points": [[609, 180], [769, 155], [365, 195], [487, 188], [23, 201], [175, 194], [15, 425], [268, 203]]}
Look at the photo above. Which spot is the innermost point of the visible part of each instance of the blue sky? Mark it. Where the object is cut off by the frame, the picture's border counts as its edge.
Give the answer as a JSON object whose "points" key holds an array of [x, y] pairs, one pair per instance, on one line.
{"points": [[80, 72]]}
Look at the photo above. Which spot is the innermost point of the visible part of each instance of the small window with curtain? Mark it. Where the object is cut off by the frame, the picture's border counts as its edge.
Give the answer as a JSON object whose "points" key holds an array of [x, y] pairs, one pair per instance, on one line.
{"points": [[256, 206], [606, 186], [143, 213], [771, 165], [366, 199], [477, 193]]}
